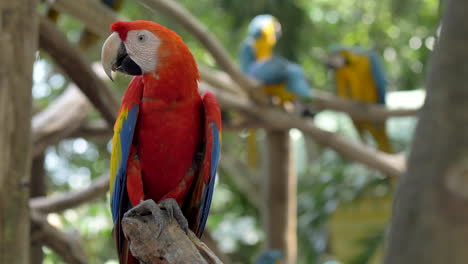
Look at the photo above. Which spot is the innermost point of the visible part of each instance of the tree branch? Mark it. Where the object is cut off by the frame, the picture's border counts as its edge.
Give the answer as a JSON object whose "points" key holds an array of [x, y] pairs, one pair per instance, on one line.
{"points": [[357, 110], [93, 129], [88, 10], [391, 165], [65, 245], [61, 202], [69, 57], [322, 100], [170, 245], [59, 120]]}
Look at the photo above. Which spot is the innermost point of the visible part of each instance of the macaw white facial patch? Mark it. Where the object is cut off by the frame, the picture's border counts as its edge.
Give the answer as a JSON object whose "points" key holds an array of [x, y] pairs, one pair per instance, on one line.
{"points": [[142, 47]]}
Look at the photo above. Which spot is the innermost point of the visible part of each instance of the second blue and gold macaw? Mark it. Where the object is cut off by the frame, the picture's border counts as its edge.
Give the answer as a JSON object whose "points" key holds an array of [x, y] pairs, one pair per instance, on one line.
{"points": [[360, 76], [280, 77]]}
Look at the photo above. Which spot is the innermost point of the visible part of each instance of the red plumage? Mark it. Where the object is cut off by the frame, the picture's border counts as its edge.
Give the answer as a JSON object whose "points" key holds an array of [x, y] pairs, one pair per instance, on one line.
{"points": [[173, 125]]}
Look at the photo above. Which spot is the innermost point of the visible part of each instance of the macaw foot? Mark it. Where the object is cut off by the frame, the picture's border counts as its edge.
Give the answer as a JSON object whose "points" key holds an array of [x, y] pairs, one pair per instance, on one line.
{"points": [[173, 210]]}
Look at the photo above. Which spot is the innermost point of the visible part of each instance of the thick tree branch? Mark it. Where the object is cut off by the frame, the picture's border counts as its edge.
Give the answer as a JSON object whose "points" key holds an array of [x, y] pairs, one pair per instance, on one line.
{"points": [[170, 245], [392, 165], [67, 246], [60, 119], [61, 202], [359, 111], [88, 10], [93, 129], [70, 59]]}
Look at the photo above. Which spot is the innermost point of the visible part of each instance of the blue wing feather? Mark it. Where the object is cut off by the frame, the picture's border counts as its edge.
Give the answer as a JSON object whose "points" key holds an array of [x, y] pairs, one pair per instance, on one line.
{"points": [[208, 192], [246, 55], [126, 137], [378, 74], [297, 83], [270, 71]]}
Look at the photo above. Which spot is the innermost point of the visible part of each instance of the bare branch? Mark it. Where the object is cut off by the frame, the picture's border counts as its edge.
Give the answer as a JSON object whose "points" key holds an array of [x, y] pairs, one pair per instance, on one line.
{"points": [[359, 111], [67, 246], [322, 100], [155, 237], [88, 10], [388, 164], [94, 129], [60, 119], [70, 59], [61, 202]]}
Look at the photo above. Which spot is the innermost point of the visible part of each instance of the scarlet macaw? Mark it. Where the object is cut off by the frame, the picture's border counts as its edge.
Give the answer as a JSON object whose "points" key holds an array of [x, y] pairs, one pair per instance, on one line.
{"points": [[87, 38], [166, 140], [281, 78], [360, 76]]}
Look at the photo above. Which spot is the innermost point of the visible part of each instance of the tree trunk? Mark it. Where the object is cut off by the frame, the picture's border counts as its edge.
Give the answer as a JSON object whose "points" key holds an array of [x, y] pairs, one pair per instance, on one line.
{"points": [[18, 42], [280, 211], [38, 188], [430, 220]]}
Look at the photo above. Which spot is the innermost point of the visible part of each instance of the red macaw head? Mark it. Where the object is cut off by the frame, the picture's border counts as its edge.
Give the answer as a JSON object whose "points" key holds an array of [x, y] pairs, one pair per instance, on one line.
{"points": [[140, 47]]}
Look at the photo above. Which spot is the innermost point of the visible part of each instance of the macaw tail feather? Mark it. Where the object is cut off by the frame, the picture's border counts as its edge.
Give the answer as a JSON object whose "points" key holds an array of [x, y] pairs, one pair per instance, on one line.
{"points": [[252, 153], [381, 138], [377, 131]]}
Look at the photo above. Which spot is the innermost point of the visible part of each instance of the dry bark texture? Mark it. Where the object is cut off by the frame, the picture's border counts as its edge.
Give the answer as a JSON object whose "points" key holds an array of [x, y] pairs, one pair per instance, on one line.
{"points": [[18, 42], [80, 72], [280, 202], [430, 221], [38, 188], [156, 238]]}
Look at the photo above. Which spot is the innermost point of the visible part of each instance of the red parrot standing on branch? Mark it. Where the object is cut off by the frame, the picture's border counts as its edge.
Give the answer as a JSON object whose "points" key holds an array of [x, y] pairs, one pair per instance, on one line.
{"points": [[166, 139]]}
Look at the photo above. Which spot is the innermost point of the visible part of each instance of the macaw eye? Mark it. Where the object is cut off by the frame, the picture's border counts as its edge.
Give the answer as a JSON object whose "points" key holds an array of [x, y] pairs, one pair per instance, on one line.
{"points": [[141, 38]]}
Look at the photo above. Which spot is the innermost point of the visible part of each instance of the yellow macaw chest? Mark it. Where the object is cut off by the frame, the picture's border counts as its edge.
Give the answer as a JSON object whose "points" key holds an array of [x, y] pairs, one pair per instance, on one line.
{"points": [[355, 81]]}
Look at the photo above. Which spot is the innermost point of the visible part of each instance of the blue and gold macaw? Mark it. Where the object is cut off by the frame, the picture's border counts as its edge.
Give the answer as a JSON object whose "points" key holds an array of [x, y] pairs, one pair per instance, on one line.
{"points": [[281, 78], [360, 76], [87, 37]]}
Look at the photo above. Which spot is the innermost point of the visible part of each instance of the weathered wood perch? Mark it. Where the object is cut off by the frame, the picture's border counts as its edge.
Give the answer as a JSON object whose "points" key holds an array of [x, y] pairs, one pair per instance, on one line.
{"points": [[156, 238]]}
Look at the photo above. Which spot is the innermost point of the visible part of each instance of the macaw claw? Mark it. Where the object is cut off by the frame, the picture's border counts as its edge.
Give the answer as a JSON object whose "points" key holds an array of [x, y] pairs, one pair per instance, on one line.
{"points": [[173, 210]]}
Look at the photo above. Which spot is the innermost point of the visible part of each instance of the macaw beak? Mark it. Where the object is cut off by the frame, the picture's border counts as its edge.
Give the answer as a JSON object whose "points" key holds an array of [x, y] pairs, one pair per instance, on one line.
{"points": [[335, 61], [114, 57], [270, 33]]}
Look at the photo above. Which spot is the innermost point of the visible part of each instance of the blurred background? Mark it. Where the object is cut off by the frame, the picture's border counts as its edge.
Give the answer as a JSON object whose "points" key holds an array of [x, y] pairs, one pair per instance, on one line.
{"points": [[343, 207]]}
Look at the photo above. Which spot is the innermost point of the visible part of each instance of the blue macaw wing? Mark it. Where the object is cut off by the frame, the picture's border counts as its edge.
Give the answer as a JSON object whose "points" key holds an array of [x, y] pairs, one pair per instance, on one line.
{"points": [[270, 71], [124, 129], [198, 205], [121, 142], [246, 55], [297, 82], [378, 74]]}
